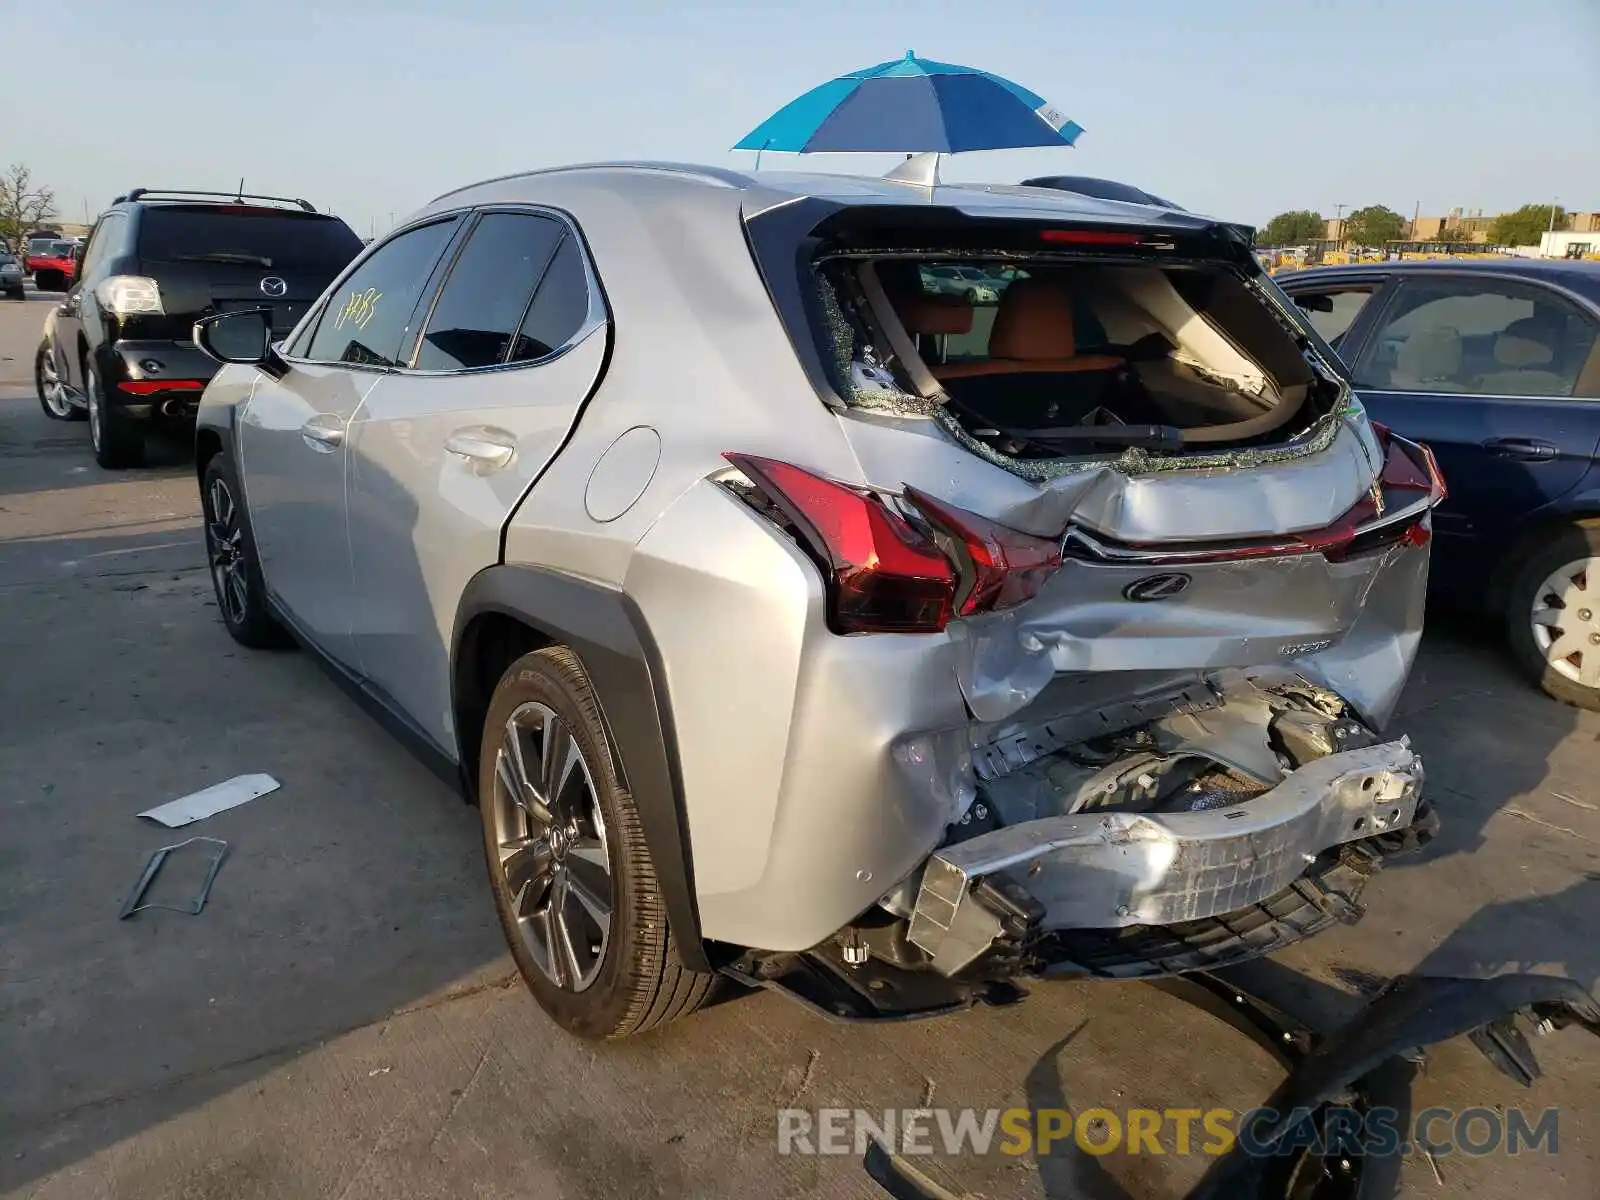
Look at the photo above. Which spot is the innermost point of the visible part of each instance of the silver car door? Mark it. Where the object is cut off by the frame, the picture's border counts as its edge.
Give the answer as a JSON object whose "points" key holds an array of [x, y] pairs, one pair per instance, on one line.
{"points": [[294, 431], [442, 453]]}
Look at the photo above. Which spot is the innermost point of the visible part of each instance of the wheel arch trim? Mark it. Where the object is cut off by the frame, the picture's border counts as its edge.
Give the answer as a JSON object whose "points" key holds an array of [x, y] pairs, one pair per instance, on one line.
{"points": [[612, 639]]}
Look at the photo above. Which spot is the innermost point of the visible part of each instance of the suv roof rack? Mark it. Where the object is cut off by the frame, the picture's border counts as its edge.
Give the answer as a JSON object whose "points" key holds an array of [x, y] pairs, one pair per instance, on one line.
{"points": [[171, 193]]}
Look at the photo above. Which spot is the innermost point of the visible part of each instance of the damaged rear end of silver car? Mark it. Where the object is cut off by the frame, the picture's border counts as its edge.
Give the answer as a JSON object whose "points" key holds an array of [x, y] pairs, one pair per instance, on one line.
{"points": [[1184, 590]]}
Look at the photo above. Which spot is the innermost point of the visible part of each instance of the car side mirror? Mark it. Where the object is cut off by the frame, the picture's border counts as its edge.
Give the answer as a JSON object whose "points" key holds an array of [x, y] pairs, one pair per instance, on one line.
{"points": [[236, 337], [1315, 303]]}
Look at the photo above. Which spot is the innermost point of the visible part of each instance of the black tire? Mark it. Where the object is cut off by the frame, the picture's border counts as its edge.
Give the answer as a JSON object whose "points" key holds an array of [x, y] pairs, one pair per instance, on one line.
{"points": [[54, 403], [235, 567], [1567, 545], [17, 294], [640, 982], [116, 438], [49, 281]]}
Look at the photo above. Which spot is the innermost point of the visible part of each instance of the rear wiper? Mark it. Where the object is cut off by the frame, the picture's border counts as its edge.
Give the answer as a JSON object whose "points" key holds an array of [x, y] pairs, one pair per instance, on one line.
{"points": [[228, 256], [1148, 437]]}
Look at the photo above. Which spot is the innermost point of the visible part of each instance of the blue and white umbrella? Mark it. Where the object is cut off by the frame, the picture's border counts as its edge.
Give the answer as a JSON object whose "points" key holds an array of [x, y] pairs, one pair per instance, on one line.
{"points": [[913, 105]]}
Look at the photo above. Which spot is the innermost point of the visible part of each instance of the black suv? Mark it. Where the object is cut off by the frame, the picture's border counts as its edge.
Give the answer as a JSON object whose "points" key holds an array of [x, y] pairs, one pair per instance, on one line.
{"points": [[120, 349]]}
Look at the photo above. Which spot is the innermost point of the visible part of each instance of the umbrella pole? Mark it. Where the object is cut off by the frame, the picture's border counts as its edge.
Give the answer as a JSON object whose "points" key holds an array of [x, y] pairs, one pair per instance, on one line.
{"points": [[920, 169]]}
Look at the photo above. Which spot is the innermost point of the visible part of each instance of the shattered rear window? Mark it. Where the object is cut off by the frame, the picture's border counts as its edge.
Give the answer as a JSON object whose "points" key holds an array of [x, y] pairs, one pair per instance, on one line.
{"points": [[1129, 363]]}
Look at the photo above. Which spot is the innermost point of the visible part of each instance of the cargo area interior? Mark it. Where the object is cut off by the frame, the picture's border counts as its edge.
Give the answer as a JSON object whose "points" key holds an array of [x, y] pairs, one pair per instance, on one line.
{"points": [[1043, 355]]}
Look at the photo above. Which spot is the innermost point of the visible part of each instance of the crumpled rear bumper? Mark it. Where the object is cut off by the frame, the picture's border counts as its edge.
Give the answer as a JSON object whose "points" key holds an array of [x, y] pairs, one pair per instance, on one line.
{"points": [[1119, 869]]}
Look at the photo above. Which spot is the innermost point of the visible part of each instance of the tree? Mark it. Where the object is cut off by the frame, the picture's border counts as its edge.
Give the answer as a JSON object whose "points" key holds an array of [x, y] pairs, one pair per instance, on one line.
{"points": [[1451, 234], [1292, 228], [1373, 226], [22, 205], [1523, 227]]}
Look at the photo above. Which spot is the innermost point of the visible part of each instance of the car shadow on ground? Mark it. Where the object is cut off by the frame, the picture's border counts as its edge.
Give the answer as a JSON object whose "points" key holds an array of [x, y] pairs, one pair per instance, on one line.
{"points": [[50, 455]]}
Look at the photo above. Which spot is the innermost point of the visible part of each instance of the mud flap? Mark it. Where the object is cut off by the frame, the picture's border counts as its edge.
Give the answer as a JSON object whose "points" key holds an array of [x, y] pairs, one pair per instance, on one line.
{"points": [[1362, 1064]]}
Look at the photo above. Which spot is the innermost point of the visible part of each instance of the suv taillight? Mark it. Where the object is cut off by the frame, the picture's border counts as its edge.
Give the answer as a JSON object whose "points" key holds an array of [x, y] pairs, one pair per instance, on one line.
{"points": [[129, 295], [885, 574]]}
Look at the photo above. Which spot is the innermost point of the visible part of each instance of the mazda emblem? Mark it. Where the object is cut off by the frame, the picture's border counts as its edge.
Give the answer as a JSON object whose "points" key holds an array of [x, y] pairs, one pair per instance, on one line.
{"points": [[1157, 587], [273, 286]]}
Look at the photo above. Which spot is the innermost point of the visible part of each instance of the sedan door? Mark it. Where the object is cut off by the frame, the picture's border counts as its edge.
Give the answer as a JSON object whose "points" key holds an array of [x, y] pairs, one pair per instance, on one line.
{"points": [[443, 452], [1483, 368], [294, 428]]}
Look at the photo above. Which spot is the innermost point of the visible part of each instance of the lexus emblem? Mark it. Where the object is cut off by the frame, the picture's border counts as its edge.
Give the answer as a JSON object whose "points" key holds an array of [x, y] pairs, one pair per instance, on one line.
{"points": [[273, 286], [1156, 587]]}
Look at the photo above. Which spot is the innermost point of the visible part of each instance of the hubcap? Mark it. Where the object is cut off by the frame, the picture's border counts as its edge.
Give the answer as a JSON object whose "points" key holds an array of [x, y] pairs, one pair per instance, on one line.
{"points": [[55, 396], [1564, 624], [552, 847], [225, 547]]}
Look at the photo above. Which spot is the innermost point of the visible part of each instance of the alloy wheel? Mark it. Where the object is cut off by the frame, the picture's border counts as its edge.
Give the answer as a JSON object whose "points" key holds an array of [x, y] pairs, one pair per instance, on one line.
{"points": [[1566, 621], [552, 846], [51, 390], [225, 548]]}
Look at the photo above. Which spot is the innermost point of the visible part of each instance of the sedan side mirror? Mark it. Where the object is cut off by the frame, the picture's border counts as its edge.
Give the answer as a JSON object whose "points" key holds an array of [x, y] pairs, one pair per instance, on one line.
{"points": [[236, 337]]}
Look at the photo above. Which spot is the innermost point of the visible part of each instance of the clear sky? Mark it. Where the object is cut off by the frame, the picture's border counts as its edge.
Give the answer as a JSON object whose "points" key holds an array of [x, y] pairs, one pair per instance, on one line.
{"points": [[1239, 108]]}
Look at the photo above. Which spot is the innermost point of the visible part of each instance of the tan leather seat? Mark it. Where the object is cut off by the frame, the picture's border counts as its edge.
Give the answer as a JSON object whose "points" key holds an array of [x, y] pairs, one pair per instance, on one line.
{"points": [[1525, 355], [1429, 360], [934, 315], [1033, 333]]}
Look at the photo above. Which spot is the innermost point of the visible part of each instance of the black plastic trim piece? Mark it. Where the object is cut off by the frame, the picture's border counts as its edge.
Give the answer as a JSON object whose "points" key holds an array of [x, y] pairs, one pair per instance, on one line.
{"points": [[612, 639]]}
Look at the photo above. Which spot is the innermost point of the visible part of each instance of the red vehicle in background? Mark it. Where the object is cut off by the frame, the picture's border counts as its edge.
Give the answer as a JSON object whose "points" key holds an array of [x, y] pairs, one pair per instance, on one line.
{"points": [[55, 271], [35, 245]]}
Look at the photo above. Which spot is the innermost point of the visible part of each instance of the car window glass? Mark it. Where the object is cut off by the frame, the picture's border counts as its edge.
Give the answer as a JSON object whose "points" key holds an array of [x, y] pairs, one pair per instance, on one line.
{"points": [[369, 313], [1491, 338], [486, 296], [105, 234], [560, 306], [1335, 324], [288, 243]]}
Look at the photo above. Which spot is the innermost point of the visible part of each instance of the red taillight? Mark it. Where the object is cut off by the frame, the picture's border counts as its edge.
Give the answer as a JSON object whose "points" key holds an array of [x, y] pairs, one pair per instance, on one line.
{"points": [[1401, 473], [885, 575], [1003, 567], [882, 575], [149, 387], [1090, 237]]}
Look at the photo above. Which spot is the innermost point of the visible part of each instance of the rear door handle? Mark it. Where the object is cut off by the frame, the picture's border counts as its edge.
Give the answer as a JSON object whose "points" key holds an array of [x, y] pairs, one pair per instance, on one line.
{"points": [[486, 447], [324, 432], [1521, 449]]}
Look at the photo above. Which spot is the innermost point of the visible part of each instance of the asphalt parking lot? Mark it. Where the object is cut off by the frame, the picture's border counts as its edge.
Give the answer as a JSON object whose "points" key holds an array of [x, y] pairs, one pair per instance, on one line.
{"points": [[341, 1021]]}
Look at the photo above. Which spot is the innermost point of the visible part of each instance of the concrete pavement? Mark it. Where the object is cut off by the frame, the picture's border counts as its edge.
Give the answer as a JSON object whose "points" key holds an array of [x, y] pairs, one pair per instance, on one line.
{"points": [[342, 1021]]}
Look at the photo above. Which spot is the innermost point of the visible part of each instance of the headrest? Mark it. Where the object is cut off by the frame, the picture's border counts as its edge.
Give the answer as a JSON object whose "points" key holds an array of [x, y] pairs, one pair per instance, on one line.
{"points": [[1524, 343], [1034, 321], [1430, 354], [935, 314]]}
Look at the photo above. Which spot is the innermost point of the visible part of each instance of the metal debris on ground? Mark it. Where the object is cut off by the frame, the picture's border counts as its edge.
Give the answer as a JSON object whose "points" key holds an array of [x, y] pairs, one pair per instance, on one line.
{"points": [[152, 868], [219, 797]]}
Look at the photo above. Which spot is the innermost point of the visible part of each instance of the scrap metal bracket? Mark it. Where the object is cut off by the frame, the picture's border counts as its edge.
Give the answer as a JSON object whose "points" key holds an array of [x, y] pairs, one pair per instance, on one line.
{"points": [[153, 868]]}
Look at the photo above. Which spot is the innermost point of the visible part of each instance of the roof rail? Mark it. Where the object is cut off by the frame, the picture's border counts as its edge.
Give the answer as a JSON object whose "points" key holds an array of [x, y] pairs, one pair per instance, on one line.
{"points": [[169, 193]]}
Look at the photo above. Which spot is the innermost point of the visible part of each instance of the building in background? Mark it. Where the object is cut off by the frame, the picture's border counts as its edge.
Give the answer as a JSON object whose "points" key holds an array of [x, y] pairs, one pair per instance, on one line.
{"points": [[1571, 243], [1475, 227]]}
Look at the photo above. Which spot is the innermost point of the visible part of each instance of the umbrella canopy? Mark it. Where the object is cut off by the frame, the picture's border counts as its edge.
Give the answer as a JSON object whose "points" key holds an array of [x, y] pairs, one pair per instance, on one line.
{"points": [[913, 105]]}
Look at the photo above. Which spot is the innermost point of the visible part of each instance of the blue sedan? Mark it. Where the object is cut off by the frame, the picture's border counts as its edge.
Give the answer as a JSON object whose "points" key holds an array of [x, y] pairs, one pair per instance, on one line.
{"points": [[1496, 365]]}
